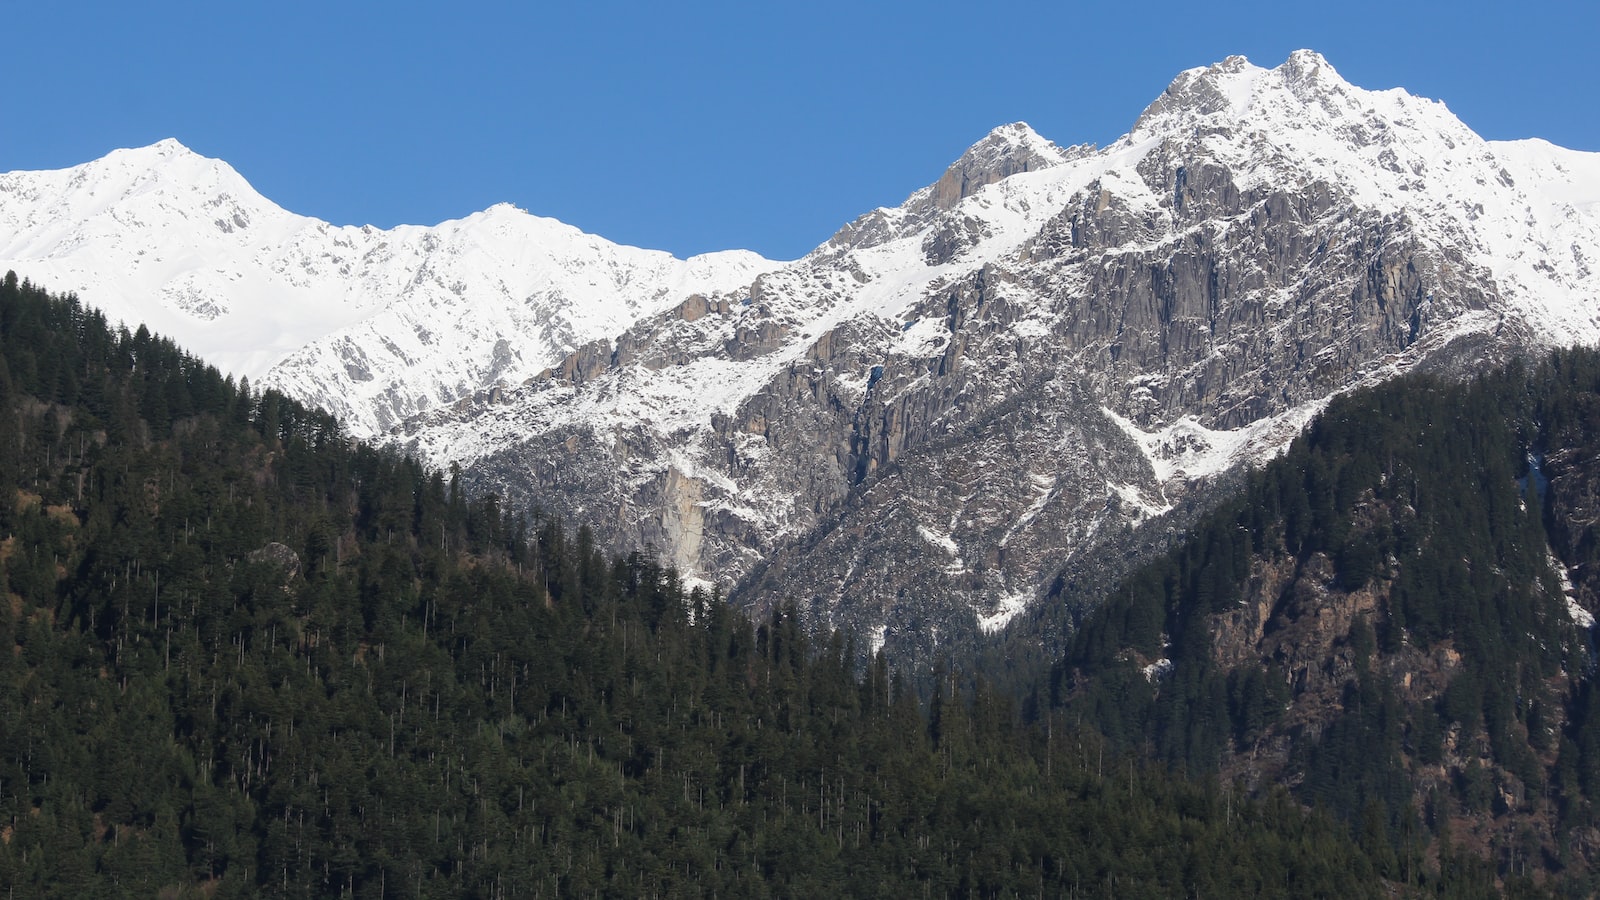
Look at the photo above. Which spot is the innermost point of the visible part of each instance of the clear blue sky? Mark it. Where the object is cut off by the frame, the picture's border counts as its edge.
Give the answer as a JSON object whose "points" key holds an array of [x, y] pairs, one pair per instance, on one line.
{"points": [[699, 126]]}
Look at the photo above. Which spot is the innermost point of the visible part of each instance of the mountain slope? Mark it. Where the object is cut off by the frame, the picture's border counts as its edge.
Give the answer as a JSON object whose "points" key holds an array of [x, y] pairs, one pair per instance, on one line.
{"points": [[1014, 384], [916, 427], [373, 325], [1394, 620], [241, 657]]}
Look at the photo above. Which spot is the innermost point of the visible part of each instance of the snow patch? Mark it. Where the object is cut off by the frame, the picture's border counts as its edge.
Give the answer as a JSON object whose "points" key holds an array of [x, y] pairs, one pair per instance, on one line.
{"points": [[1161, 668], [1133, 498], [875, 638], [1005, 610], [1189, 451], [942, 541], [1581, 616]]}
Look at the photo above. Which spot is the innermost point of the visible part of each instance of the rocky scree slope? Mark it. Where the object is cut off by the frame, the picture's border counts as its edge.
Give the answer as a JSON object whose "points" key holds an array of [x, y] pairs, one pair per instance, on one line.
{"points": [[1050, 354], [370, 324]]}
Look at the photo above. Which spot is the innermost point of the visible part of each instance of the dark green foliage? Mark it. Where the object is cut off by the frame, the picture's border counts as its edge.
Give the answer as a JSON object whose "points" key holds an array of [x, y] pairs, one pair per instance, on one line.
{"points": [[1429, 495], [445, 701]]}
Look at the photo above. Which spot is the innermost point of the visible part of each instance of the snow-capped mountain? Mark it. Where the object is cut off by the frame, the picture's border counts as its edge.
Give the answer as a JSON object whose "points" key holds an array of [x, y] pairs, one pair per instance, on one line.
{"points": [[372, 324], [981, 396], [1001, 389]]}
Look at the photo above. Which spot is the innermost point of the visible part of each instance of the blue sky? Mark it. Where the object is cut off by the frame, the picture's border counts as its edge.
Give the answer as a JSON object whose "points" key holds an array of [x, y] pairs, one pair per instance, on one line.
{"points": [[702, 126]]}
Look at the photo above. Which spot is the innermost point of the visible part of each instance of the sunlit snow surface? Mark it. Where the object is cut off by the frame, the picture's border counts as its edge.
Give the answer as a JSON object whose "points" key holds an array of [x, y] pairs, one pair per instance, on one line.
{"points": [[383, 324], [1533, 220], [389, 326], [1526, 210], [374, 324]]}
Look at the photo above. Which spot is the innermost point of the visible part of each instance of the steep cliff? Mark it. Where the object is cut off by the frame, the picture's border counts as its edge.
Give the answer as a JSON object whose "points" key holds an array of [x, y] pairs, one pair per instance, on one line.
{"points": [[1024, 377], [1044, 359]]}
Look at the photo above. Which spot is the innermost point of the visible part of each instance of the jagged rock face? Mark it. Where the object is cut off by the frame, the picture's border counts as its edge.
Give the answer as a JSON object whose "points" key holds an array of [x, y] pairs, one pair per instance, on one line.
{"points": [[1013, 383], [1008, 150], [1246, 303], [914, 429], [989, 467]]}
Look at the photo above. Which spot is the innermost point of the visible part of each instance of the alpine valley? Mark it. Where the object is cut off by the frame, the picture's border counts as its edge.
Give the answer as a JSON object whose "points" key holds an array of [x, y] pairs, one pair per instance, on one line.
{"points": [[1016, 384], [1216, 512]]}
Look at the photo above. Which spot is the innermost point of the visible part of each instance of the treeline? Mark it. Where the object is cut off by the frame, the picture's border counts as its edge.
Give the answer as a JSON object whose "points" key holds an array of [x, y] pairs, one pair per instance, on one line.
{"points": [[1378, 619], [241, 655]]}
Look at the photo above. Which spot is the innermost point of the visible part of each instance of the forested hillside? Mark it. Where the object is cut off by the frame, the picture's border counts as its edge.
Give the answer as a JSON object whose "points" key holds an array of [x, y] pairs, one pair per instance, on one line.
{"points": [[241, 655], [1394, 620]]}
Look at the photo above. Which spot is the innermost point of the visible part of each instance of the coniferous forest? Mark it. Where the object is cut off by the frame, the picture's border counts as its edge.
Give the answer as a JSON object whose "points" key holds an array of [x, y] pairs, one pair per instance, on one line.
{"points": [[242, 655], [1390, 620]]}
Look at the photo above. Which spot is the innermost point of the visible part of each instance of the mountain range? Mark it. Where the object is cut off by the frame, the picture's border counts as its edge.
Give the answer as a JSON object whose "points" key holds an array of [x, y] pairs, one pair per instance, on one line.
{"points": [[1011, 386]]}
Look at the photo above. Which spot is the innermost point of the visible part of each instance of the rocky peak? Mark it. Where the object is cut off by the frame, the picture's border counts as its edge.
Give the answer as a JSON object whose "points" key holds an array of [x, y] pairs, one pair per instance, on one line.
{"points": [[1308, 66], [1236, 91], [952, 400], [1008, 150], [1004, 152], [1202, 91]]}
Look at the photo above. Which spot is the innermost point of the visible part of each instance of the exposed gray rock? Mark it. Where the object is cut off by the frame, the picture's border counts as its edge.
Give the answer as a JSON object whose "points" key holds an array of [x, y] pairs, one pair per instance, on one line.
{"points": [[280, 555], [1026, 377]]}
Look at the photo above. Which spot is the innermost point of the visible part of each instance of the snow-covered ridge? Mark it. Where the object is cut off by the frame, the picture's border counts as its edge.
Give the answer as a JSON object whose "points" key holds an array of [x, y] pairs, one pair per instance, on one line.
{"points": [[1528, 211], [1321, 218], [380, 325], [1294, 124], [373, 324], [1041, 350]]}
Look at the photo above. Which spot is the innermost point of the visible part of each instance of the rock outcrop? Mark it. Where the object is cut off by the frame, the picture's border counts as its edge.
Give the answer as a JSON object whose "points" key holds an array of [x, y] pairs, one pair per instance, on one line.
{"points": [[1010, 386], [1041, 364]]}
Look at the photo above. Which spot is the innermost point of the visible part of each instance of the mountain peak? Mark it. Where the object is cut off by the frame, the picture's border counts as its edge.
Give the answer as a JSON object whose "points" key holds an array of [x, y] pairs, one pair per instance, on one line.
{"points": [[1003, 152], [166, 161], [171, 147], [160, 155], [1306, 61], [1232, 88], [1016, 133]]}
